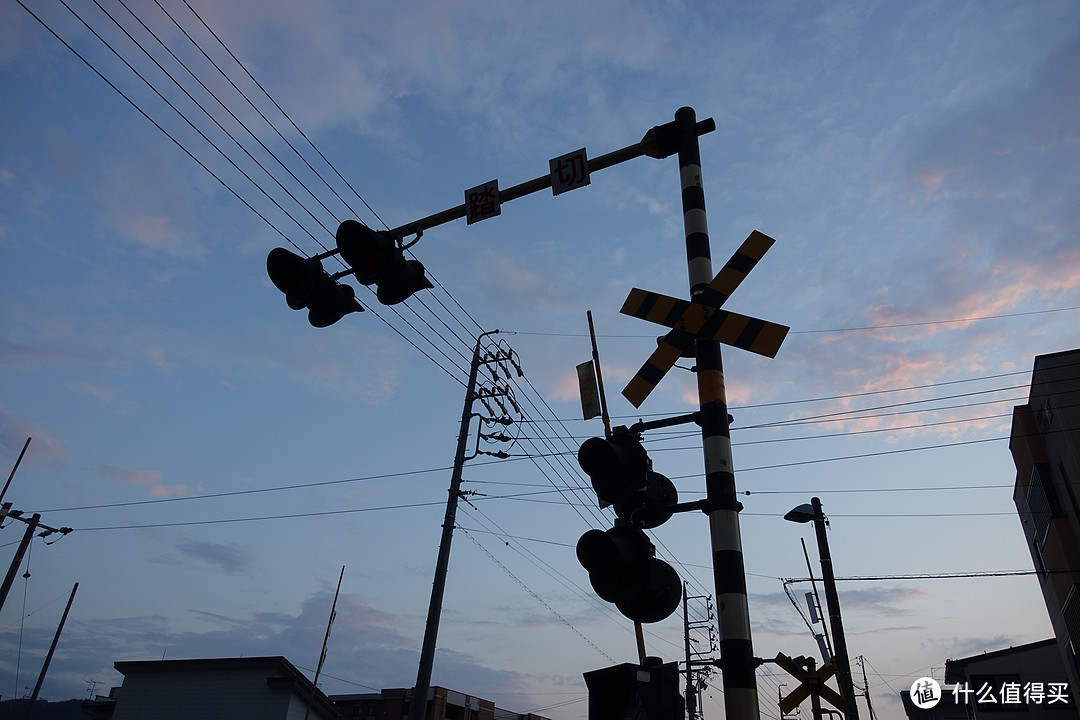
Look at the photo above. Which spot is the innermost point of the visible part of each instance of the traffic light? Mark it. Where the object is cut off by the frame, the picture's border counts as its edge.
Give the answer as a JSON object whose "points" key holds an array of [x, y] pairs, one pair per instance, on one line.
{"points": [[649, 691], [622, 475], [306, 285], [376, 259], [624, 570]]}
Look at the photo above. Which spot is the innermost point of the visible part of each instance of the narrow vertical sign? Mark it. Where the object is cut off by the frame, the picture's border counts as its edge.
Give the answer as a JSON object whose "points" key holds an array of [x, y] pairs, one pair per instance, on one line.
{"points": [[482, 202], [590, 394], [569, 172]]}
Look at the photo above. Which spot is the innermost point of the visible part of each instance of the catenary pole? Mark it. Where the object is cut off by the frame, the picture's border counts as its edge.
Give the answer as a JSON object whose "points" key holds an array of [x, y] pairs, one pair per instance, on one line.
{"points": [[418, 705], [729, 576]]}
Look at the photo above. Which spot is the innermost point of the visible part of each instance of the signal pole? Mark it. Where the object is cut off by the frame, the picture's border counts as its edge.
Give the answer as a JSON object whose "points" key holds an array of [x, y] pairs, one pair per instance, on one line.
{"points": [[729, 575], [418, 705]]}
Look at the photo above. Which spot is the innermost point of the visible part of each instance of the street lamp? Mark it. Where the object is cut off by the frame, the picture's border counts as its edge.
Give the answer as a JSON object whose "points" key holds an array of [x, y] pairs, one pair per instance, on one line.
{"points": [[812, 513]]}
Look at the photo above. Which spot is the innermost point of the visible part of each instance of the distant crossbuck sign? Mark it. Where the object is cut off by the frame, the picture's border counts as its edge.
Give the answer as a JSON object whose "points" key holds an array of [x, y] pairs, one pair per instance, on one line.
{"points": [[703, 319]]}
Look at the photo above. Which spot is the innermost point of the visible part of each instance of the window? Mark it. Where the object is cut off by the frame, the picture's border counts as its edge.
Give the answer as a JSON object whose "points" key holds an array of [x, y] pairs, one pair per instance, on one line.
{"points": [[1070, 613], [1042, 502], [1069, 488]]}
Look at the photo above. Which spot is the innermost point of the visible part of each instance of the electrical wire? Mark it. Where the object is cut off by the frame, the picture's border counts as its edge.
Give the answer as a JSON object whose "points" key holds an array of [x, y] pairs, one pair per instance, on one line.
{"points": [[841, 330], [539, 599]]}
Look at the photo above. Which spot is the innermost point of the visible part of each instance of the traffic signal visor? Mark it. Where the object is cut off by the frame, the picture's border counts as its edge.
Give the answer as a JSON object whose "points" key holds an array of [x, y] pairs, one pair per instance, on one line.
{"points": [[306, 285], [376, 259], [623, 570]]}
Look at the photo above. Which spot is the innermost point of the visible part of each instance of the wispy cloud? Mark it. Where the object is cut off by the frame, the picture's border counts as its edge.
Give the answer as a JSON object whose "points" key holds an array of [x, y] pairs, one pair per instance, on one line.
{"points": [[46, 444], [150, 480], [230, 557]]}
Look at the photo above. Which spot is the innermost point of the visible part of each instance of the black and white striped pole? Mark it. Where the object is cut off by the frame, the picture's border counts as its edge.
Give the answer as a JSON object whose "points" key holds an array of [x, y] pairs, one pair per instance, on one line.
{"points": [[736, 646]]}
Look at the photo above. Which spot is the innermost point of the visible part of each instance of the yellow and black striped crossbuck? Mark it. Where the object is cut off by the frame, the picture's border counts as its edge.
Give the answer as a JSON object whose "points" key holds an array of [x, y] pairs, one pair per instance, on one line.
{"points": [[702, 318]]}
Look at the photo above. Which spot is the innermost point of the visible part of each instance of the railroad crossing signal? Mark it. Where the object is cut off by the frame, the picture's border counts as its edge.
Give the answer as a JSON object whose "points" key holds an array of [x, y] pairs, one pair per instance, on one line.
{"points": [[702, 319], [812, 683]]}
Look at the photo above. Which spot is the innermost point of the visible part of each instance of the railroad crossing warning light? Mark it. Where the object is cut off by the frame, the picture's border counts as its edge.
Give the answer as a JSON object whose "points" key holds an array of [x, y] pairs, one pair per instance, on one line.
{"points": [[306, 285], [649, 691], [624, 570], [376, 259], [622, 475]]}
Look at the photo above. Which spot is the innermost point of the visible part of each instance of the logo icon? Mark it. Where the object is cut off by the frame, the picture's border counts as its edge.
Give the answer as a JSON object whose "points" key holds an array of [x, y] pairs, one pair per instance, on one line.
{"points": [[925, 693]]}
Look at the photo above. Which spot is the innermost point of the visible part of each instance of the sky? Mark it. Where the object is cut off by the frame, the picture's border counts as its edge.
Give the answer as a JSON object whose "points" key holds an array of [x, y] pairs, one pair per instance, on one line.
{"points": [[220, 460]]}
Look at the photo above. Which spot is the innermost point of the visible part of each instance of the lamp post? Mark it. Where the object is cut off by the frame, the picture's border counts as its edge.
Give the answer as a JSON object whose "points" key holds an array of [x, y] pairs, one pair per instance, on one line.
{"points": [[813, 513]]}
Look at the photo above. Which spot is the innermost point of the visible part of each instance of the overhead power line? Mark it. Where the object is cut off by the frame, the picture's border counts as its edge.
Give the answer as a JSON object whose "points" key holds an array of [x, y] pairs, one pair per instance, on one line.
{"points": [[934, 576], [863, 328]]}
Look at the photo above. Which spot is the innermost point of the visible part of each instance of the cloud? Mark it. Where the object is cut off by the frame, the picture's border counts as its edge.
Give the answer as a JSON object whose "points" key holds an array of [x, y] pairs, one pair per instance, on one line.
{"points": [[511, 285], [366, 647], [149, 479], [145, 202], [957, 647], [45, 445], [887, 601], [230, 557], [991, 172]]}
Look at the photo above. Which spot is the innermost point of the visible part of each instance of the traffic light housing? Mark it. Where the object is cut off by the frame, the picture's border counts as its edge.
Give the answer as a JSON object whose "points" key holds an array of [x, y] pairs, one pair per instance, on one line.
{"points": [[306, 285], [376, 259], [624, 570], [649, 691], [622, 475]]}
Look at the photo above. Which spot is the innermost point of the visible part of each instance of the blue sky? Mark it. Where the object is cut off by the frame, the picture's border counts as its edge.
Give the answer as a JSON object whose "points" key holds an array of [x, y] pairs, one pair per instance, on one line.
{"points": [[220, 459]]}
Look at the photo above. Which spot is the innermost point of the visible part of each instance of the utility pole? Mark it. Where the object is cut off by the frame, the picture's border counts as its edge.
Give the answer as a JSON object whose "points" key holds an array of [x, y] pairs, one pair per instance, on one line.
{"points": [[418, 705], [31, 526], [691, 694], [12, 475], [812, 512], [48, 657], [843, 664], [729, 574], [866, 688], [697, 669]]}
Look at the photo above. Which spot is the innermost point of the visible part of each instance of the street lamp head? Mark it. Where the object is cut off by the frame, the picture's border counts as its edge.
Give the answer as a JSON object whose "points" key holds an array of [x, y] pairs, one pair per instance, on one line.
{"points": [[802, 514]]}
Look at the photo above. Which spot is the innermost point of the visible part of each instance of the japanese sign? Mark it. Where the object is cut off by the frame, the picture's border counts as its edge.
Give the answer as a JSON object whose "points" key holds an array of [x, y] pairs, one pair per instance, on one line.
{"points": [[482, 202], [569, 172]]}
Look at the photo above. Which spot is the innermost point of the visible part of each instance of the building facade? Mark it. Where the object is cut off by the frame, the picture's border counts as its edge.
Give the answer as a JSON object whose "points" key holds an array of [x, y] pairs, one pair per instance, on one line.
{"points": [[264, 688], [442, 704], [1026, 682], [1045, 445], [255, 688]]}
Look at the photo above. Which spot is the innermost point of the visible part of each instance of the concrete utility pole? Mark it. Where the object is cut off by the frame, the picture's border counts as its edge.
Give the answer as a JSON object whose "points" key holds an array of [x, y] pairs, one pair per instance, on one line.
{"points": [[31, 526], [49, 656], [418, 705]]}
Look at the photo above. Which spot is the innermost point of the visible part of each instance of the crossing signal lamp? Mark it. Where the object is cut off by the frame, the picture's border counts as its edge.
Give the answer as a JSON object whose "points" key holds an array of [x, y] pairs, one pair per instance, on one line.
{"points": [[622, 475], [306, 285], [624, 570], [622, 563], [376, 258]]}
